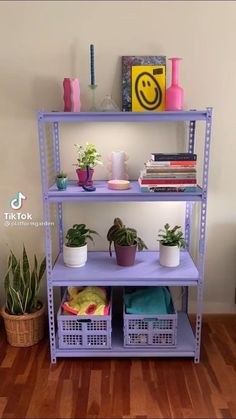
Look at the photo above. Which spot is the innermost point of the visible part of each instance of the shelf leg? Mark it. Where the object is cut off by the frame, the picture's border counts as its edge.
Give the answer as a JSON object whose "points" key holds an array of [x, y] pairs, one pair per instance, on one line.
{"points": [[201, 260], [188, 212], [47, 236], [57, 168], [188, 208], [51, 324], [42, 153], [185, 299], [48, 251]]}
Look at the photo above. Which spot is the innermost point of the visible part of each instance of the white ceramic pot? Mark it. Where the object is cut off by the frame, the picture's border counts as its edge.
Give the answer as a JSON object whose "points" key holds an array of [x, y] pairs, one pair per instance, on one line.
{"points": [[169, 256], [75, 257]]}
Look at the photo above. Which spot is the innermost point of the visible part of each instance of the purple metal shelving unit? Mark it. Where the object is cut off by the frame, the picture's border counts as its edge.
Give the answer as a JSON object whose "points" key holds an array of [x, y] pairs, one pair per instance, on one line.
{"points": [[100, 269]]}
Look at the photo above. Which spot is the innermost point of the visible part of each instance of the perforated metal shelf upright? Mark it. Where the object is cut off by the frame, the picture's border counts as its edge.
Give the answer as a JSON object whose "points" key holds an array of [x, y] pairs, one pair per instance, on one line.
{"points": [[99, 270]]}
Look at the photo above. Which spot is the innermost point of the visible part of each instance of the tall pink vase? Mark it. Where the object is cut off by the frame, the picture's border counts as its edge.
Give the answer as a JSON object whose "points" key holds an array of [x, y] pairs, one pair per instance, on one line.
{"points": [[75, 95], [67, 95], [175, 93], [71, 95]]}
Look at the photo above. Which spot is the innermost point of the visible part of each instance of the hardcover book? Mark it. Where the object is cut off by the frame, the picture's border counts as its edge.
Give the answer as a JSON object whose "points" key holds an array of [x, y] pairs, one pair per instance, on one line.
{"points": [[173, 157], [128, 61], [162, 164], [170, 169], [164, 181], [149, 189]]}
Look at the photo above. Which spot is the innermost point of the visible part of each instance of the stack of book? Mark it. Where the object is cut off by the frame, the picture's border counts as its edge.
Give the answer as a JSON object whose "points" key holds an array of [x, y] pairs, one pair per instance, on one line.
{"points": [[169, 173]]}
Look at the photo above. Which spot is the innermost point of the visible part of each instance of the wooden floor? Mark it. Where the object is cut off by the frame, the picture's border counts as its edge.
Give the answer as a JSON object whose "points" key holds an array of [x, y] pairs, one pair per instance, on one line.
{"points": [[122, 388]]}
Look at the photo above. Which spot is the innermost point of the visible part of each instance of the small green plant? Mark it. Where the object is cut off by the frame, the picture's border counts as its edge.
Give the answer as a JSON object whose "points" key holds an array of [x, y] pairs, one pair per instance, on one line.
{"points": [[22, 284], [78, 235], [87, 156], [61, 175], [171, 236], [124, 236]]}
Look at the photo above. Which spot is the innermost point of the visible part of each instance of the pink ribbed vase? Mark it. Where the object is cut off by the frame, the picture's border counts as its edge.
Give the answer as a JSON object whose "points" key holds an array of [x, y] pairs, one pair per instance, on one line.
{"points": [[71, 95], [175, 93]]}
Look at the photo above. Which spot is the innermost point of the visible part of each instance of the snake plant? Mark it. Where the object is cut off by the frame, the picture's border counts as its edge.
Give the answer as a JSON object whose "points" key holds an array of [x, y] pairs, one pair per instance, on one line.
{"points": [[124, 236], [22, 284]]}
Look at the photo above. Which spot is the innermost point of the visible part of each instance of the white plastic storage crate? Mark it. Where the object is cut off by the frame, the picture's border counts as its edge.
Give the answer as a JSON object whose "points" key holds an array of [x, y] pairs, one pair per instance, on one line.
{"points": [[84, 332], [150, 330]]}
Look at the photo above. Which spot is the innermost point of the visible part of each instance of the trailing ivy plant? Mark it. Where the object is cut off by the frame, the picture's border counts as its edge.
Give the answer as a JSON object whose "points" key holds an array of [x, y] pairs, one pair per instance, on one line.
{"points": [[124, 236], [171, 236], [78, 235], [87, 156], [22, 284]]}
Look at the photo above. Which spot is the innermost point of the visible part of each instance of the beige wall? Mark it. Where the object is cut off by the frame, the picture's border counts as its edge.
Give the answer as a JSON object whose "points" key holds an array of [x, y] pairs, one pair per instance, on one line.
{"points": [[43, 42]]}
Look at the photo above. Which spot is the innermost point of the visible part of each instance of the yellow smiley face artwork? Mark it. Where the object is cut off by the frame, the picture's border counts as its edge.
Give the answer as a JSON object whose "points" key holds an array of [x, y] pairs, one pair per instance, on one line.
{"points": [[148, 88]]}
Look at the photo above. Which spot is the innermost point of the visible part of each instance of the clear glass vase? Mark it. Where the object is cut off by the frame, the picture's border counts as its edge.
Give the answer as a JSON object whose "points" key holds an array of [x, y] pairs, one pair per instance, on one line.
{"points": [[93, 107], [108, 105]]}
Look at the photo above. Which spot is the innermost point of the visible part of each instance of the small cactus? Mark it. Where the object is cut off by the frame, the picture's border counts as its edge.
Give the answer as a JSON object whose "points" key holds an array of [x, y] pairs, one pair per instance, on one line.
{"points": [[61, 175]]}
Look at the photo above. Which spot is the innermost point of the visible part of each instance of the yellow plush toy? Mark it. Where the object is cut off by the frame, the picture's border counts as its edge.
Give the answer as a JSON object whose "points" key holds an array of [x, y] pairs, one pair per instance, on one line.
{"points": [[87, 301]]}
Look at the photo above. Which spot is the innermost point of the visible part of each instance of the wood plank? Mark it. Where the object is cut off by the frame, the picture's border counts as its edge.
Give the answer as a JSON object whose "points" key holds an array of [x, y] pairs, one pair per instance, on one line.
{"points": [[30, 387]]}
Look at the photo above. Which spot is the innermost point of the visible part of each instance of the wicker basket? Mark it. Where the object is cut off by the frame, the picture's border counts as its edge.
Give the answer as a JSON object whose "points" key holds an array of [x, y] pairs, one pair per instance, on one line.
{"points": [[24, 330]]}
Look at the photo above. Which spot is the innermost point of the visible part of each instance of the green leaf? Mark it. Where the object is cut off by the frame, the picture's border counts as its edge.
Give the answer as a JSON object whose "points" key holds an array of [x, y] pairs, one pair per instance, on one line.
{"points": [[26, 268], [17, 279], [42, 269], [35, 263], [16, 307], [13, 261], [26, 298], [7, 288]]}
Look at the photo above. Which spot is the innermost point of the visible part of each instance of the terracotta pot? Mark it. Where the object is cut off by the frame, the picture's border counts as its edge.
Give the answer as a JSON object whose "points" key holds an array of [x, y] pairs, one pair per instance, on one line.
{"points": [[82, 175], [24, 330], [125, 255]]}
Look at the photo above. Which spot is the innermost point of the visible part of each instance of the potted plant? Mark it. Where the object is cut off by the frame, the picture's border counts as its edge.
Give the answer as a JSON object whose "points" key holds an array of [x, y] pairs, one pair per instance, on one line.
{"points": [[126, 242], [61, 181], [171, 241], [23, 313], [87, 156], [75, 249]]}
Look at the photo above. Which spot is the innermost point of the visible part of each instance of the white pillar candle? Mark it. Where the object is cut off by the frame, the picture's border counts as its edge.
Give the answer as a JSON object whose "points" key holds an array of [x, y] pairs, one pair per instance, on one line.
{"points": [[118, 165]]}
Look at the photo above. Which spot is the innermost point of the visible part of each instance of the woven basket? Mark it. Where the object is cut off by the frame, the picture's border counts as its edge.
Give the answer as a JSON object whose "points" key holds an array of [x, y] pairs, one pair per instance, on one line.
{"points": [[24, 330]]}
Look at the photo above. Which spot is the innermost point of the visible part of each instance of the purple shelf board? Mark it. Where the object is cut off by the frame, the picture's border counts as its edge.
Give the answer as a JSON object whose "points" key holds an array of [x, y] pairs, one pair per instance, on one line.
{"points": [[185, 345], [48, 117], [102, 193], [101, 269]]}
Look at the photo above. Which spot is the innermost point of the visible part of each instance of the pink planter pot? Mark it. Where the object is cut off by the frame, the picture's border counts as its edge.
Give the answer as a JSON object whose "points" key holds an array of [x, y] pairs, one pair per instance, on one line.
{"points": [[125, 255], [82, 174]]}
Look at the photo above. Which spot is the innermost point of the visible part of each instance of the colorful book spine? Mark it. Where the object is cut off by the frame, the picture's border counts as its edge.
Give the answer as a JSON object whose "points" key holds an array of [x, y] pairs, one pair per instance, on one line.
{"points": [[164, 181], [173, 157], [167, 175], [189, 189], [170, 169], [181, 163]]}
